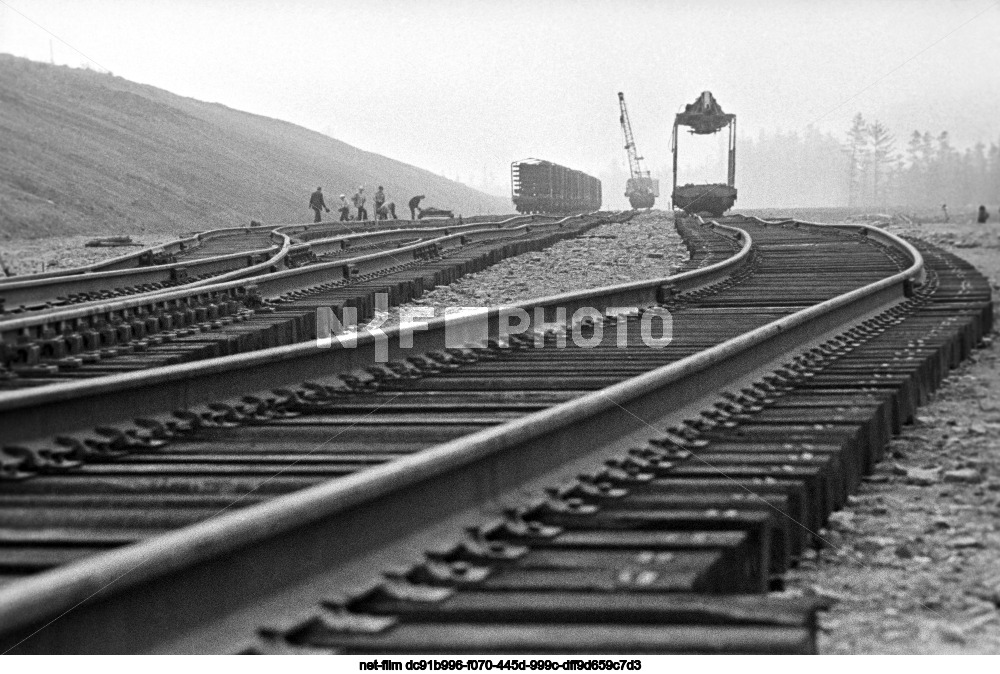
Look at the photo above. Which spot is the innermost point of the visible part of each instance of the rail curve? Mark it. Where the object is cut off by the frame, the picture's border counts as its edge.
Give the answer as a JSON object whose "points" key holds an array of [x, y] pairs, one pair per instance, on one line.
{"points": [[43, 343], [210, 257], [707, 465]]}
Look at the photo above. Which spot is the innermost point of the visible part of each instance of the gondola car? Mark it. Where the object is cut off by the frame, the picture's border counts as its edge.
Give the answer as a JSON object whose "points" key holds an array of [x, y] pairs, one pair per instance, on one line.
{"points": [[539, 186]]}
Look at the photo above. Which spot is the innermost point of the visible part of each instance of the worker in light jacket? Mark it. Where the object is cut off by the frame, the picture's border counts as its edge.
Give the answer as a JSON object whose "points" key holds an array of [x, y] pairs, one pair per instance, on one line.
{"points": [[359, 203]]}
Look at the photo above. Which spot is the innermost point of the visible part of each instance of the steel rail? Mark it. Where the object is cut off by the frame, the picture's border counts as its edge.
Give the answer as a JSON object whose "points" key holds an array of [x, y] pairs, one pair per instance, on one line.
{"points": [[450, 480], [42, 411], [875, 233], [269, 372], [181, 246], [39, 291], [305, 232], [193, 242], [13, 329], [270, 285], [131, 260], [225, 267]]}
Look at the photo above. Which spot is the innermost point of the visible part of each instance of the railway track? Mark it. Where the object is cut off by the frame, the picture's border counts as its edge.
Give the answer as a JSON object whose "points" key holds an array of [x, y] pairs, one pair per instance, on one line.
{"points": [[516, 495], [29, 295], [210, 257], [232, 238], [227, 313]]}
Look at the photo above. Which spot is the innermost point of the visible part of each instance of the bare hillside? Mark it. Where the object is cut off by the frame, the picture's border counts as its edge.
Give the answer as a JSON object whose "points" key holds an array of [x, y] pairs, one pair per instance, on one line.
{"points": [[84, 152]]}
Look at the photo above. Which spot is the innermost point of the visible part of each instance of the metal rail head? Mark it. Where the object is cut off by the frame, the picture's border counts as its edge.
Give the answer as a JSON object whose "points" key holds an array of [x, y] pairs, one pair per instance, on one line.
{"points": [[917, 271], [265, 272], [505, 452], [111, 275], [34, 402]]}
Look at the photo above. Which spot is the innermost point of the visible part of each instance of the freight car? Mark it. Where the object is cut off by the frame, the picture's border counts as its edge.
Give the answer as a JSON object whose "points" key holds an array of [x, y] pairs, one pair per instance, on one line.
{"points": [[539, 186]]}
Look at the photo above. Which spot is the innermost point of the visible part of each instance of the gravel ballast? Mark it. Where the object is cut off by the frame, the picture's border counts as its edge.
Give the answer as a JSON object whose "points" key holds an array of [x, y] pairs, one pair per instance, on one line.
{"points": [[646, 247]]}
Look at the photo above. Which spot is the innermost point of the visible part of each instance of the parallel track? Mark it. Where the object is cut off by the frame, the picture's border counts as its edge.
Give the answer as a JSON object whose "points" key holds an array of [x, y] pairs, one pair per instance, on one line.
{"points": [[803, 352], [220, 317], [213, 256]]}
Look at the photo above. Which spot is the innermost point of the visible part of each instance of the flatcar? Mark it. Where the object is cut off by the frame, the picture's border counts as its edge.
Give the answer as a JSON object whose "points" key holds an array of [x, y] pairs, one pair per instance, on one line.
{"points": [[539, 186]]}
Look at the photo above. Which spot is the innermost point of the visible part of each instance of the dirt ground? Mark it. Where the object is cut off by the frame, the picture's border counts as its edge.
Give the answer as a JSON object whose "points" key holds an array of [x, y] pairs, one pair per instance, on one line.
{"points": [[914, 561]]}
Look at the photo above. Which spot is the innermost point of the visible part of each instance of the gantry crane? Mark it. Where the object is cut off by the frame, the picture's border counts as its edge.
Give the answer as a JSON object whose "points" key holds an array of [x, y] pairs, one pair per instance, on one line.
{"points": [[704, 117], [640, 189]]}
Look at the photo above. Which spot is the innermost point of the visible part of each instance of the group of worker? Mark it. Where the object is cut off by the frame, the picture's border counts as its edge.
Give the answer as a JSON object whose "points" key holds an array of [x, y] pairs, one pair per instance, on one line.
{"points": [[383, 210]]}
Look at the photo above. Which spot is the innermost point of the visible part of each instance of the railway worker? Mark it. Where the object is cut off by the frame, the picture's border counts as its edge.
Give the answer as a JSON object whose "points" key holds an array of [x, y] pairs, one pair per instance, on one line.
{"points": [[386, 210], [415, 205], [378, 199], [317, 204], [983, 216], [345, 209], [359, 203]]}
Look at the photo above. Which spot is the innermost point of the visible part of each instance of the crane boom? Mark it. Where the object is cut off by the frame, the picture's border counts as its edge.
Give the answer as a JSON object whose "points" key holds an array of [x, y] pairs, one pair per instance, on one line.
{"points": [[640, 189], [633, 156]]}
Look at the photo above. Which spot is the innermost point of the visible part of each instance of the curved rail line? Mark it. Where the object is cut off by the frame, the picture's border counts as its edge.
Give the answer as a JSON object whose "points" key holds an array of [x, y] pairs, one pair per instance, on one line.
{"points": [[55, 344], [681, 481], [212, 257], [35, 295], [197, 244], [318, 245], [153, 255]]}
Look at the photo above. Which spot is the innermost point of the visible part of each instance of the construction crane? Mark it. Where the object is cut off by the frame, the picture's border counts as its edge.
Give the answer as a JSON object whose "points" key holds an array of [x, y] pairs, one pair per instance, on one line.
{"points": [[640, 189]]}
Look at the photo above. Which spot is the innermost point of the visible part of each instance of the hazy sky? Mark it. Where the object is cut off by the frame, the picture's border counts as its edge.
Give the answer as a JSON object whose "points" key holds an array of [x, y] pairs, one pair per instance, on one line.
{"points": [[464, 88]]}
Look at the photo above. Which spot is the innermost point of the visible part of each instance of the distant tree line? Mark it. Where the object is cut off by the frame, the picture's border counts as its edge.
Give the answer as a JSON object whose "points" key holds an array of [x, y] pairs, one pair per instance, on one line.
{"points": [[791, 169], [866, 169], [929, 172]]}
